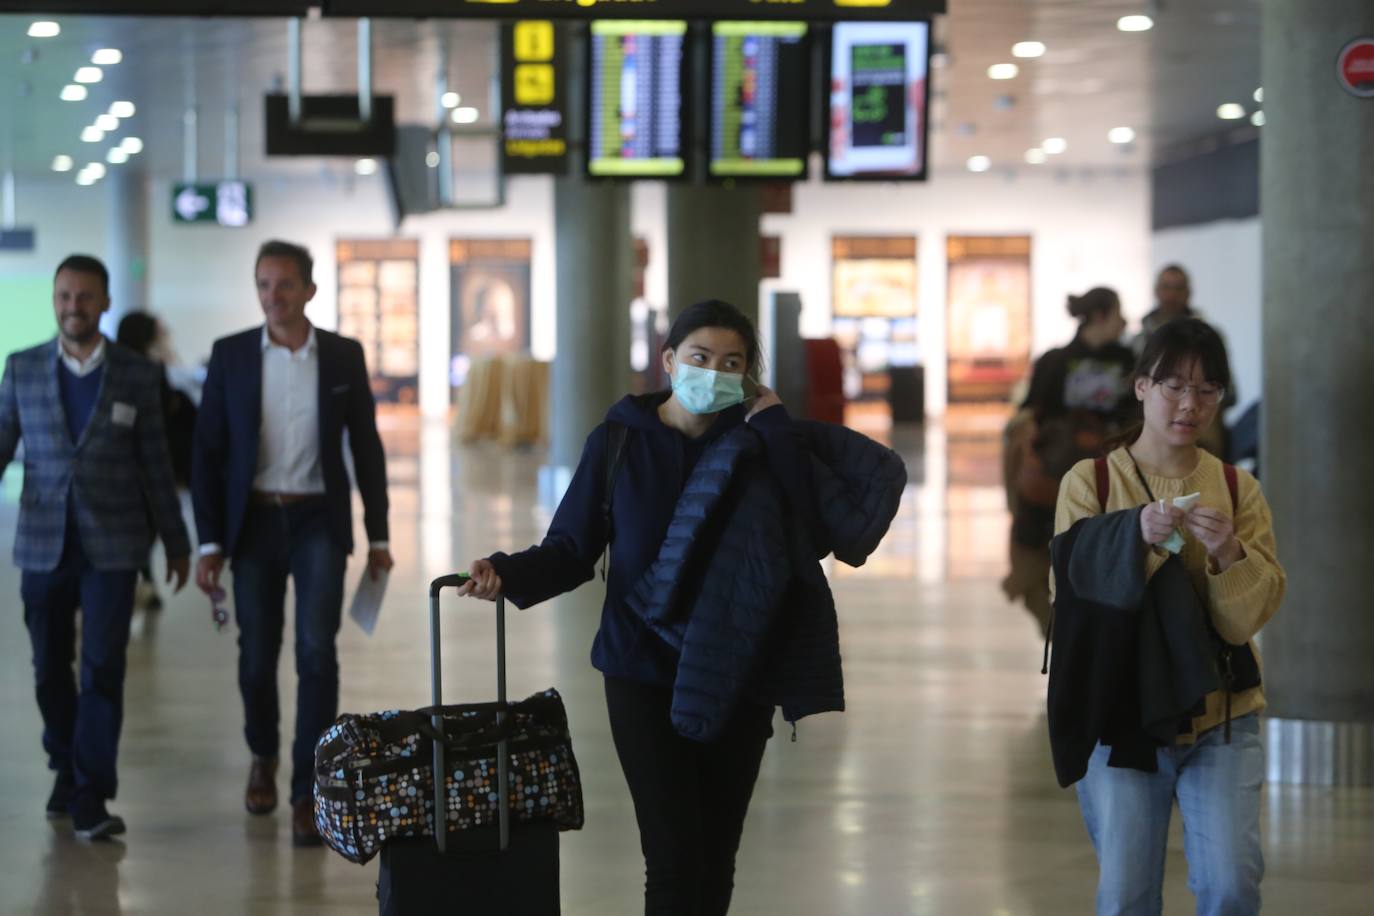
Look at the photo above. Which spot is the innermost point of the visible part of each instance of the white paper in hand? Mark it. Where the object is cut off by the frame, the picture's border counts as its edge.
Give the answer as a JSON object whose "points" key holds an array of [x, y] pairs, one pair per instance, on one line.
{"points": [[1175, 542], [367, 600]]}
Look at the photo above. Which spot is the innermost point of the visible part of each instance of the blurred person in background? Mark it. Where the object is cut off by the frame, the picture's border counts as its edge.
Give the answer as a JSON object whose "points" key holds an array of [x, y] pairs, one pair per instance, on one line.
{"points": [[1080, 394]]}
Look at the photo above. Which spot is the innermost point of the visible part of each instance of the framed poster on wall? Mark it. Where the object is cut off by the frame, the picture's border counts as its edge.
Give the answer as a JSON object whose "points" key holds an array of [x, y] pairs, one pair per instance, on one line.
{"points": [[490, 301], [379, 306], [989, 316], [873, 300]]}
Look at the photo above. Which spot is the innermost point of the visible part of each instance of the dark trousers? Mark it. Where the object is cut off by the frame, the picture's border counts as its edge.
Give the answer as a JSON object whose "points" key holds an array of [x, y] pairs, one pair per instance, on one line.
{"points": [[690, 799], [277, 542], [80, 729]]}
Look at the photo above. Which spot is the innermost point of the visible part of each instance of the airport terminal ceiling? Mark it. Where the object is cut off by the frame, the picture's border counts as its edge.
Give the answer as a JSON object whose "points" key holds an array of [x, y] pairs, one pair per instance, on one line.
{"points": [[1165, 84]]}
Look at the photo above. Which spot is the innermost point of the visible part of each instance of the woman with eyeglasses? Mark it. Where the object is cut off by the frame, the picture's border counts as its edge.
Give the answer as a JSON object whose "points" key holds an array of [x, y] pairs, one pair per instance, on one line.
{"points": [[1225, 542]]}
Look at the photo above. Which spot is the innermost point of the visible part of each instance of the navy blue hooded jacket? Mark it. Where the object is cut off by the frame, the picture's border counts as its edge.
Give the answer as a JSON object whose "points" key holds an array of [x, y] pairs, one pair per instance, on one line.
{"points": [[712, 553]]}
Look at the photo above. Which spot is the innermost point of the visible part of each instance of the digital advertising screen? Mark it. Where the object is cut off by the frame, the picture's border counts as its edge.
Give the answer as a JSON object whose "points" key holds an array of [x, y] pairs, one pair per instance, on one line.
{"points": [[759, 99], [878, 100], [635, 108]]}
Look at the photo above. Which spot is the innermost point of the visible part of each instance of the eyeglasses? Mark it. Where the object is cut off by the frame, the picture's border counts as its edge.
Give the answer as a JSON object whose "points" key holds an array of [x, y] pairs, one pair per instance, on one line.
{"points": [[1174, 390]]}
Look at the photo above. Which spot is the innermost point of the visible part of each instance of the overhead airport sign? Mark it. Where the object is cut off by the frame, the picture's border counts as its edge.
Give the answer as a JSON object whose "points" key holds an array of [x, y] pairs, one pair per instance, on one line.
{"points": [[1355, 68], [534, 129], [162, 7], [894, 10], [17, 239], [224, 203]]}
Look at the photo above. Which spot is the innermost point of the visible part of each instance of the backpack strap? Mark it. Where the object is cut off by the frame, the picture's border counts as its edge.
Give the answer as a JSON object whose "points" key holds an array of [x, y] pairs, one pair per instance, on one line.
{"points": [[1104, 482], [615, 456], [1233, 485]]}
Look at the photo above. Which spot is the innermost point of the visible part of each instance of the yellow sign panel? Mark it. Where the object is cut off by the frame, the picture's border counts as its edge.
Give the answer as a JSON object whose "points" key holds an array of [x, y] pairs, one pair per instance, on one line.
{"points": [[534, 84], [534, 40]]}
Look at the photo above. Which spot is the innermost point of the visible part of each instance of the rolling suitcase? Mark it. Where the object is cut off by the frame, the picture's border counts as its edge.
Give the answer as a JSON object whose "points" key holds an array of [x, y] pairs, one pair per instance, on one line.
{"points": [[509, 868]]}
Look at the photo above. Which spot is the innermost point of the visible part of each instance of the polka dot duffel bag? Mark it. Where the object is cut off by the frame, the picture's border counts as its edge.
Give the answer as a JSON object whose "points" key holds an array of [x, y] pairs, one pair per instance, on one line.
{"points": [[374, 773]]}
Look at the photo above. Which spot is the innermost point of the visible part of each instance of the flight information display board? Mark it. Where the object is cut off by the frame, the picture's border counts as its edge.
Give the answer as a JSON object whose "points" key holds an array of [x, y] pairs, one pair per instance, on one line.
{"points": [[635, 111], [886, 10], [879, 99], [758, 99]]}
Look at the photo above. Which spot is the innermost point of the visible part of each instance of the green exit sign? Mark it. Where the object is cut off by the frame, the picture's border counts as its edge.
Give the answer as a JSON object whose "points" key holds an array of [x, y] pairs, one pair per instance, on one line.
{"points": [[224, 203]]}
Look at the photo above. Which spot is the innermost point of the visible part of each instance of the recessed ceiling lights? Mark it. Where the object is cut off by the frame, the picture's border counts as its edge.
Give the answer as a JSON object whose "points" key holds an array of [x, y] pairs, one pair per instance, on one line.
{"points": [[1259, 95], [107, 122], [1135, 23], [1003, 71], [88, 75], [92, 135], [365, 166], [116, 156], [94, 169], [107, 57], [123, 109], [939, 60], [451, 99], [132, 145], [62, 164], [1121, 135], [1257, 119], [979, 163], [84, 178], [73, 93], [432, 159], [1036, 156], [1055, 145], [1028, 49], [44, 30], [1231, 111], [465, 115]]}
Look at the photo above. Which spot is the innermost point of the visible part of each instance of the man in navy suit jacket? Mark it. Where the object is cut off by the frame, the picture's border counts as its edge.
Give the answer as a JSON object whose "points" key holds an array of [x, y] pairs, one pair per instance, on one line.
{"points": [[98, 484], [271, 493]]}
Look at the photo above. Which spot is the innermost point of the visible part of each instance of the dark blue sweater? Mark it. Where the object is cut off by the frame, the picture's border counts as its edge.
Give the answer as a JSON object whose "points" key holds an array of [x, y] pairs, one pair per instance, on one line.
{"points": [[79, 395], [655, 465]]}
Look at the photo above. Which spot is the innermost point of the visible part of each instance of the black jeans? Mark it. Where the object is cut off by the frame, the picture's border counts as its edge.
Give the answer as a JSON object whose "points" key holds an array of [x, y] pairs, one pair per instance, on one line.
{"points": [[690, 799]]}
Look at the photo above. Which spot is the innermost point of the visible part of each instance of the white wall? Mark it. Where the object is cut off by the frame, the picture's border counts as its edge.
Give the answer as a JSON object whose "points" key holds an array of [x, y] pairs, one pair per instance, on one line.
{"points": [[1086, 230], [1224, 261]]}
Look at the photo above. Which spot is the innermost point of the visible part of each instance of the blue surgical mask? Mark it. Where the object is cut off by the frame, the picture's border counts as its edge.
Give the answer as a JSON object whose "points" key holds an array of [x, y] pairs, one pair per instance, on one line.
{"points": [[704, 391]]}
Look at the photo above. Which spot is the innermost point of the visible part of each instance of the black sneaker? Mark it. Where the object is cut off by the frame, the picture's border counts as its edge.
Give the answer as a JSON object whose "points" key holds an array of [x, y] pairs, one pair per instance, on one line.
{"points": [[91, 821], [61, 798]]}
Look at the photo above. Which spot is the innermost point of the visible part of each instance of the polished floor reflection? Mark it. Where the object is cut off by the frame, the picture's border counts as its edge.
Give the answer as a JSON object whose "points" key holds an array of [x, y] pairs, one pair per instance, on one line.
{"points": [[933, 794]]}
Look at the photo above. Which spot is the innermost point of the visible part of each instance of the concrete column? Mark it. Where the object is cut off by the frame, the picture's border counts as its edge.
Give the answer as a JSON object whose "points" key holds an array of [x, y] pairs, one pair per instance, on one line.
{"points": [[126, 245], [1317, 205], [713, 246]]}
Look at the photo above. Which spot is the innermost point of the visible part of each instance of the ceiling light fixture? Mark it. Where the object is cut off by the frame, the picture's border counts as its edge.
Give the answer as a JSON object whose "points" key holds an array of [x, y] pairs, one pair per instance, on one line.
{"points": [[1028, 49], [123, 109], [92, 135], [1259, 95], [88, 75], [451, 99], [62, 164], [107, 122], [1135, 23], [365, 166], [44, 30], [1121, 135], [73, 93], [466, 115], [85, 179], [1036, 156], [1231, 111], [939, 60], [116, 156], [1055, 145], [94, 169], [979, 164], [107, 57], [1257, 119], [1003, 71], [132, 145], [432, 159]]}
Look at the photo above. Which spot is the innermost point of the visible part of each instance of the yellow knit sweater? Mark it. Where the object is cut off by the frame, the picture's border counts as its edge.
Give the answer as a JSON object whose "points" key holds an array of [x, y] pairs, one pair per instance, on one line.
{"points": [[1241, 599]]}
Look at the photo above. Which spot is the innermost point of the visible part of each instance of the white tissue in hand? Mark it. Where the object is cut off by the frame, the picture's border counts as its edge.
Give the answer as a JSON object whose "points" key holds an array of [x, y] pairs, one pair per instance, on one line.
{"points": [[1174, 544]]}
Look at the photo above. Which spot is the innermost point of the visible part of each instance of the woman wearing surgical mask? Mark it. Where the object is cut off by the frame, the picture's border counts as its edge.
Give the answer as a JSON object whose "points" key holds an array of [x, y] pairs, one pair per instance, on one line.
{"points": [[716, 609]]}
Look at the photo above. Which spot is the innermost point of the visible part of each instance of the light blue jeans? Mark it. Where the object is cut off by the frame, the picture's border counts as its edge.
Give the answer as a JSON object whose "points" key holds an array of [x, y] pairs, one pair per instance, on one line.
{"points": [[1217, 786]]}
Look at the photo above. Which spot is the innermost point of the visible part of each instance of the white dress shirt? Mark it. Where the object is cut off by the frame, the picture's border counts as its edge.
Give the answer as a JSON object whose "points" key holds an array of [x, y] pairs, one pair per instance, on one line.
{"points": [[76, 366], [289, 437]]}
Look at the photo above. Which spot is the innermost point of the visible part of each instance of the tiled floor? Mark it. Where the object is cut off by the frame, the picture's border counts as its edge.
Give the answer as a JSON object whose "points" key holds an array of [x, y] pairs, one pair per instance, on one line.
{"points": [[933, 794]]}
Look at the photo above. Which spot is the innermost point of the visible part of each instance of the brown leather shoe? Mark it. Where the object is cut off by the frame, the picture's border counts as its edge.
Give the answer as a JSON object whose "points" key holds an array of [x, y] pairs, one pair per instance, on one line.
{"points": [[261, 797], [303, 831]]}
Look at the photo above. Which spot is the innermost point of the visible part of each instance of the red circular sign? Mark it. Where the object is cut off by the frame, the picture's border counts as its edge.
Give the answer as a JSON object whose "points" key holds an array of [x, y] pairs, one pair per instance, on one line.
{"points": [[1355, 68]]}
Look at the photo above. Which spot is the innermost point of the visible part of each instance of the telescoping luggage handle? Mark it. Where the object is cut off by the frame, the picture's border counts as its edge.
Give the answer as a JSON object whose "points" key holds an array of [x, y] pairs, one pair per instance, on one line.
{"points": [[457, 580]]}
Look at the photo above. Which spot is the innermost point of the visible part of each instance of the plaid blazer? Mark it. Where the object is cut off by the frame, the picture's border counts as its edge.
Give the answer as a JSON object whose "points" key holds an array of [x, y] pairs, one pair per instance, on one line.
{"points": [[117, 475]]}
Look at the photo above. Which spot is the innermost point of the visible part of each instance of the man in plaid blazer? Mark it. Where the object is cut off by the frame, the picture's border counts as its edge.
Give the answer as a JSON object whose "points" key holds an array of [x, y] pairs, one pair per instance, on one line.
{"points": [[97, 481]]}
